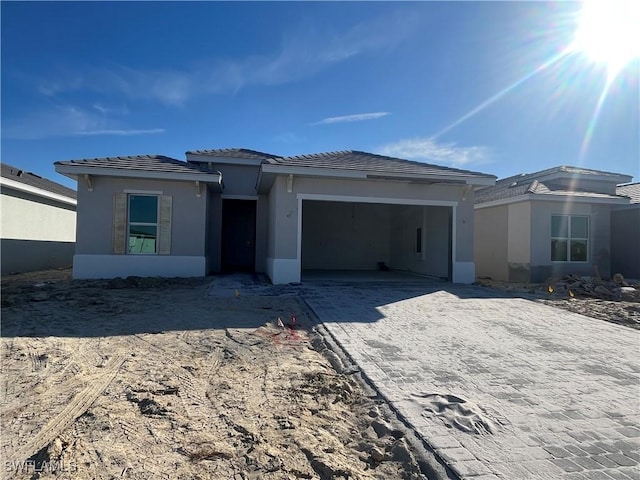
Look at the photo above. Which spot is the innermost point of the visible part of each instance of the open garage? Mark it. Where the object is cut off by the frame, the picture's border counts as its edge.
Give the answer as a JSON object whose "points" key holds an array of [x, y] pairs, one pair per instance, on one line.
{"points": [[340, 235]]}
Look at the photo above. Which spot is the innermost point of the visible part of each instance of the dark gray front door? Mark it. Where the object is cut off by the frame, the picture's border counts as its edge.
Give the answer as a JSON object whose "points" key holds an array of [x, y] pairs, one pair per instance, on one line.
{"points": [[238, 235]]}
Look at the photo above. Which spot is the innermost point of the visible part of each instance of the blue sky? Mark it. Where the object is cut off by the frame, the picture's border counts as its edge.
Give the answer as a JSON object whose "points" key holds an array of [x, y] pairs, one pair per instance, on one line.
{"points": [[457, 84]]}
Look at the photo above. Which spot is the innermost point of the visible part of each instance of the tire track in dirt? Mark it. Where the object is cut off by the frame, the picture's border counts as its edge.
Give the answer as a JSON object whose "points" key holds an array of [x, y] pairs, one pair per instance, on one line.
{"points": [[73, 410]]}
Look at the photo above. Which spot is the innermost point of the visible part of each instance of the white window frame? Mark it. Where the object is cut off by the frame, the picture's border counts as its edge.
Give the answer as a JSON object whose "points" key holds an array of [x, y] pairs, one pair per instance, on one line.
{"points": [[142, 224], [569, 238]]}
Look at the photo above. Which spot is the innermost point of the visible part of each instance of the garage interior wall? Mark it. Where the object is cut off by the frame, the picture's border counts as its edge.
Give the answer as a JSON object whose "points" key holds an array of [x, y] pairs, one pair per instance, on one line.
{"points": [[357, 236], [345, 236], [433, 256]]}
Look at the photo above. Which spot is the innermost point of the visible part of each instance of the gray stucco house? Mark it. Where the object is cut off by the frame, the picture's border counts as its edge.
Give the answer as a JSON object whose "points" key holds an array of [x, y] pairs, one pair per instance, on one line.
{"points": [[38, 226], [530, 227], [625, 233], [243, 210]]}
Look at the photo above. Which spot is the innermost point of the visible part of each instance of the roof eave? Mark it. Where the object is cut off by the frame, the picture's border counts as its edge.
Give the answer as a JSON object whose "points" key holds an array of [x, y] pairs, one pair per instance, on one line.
{"points": [[73, 171], [7, 182], [487, 180], [552, 198]]}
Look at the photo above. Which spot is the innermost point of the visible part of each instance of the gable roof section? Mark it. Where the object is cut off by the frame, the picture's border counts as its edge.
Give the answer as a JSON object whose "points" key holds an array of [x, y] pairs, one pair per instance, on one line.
{"points": [[138, 166], [242, 153], [30, 182], [369, 165], [631, 190], [534, 183]]}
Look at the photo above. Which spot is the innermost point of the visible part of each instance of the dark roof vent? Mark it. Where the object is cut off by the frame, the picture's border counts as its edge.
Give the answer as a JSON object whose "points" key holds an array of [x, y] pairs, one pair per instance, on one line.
{"points": [[20, 172]]}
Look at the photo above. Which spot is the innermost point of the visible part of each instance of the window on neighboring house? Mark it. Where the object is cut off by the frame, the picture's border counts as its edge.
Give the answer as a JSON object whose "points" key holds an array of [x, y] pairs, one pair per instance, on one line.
{"points": [[143, 224], [569, 238]]}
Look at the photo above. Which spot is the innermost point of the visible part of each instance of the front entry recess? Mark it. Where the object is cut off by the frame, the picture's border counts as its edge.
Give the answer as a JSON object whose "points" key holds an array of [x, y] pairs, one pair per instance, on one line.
{"points": [[238, 235]]}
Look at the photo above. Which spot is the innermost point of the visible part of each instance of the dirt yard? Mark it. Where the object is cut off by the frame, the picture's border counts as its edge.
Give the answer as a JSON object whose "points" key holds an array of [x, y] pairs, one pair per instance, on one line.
{"points": [[152, 379], [622, 312]]}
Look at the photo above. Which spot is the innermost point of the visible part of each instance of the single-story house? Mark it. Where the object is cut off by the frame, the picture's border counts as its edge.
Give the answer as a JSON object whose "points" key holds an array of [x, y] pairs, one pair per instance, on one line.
{"points": [[530, 227], [243, 210], [38, 226], [625, 233]]}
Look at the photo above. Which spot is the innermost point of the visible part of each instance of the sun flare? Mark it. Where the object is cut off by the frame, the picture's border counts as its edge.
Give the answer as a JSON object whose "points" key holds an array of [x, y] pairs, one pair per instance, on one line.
{"points": [[609, 32]]}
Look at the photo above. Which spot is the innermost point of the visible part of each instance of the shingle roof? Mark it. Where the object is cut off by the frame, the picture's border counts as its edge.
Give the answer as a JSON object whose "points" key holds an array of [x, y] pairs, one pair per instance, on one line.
{"points": [[631, 190], [33, 180], [233, 153], [149, 163], [370, 162], [523, 183]]}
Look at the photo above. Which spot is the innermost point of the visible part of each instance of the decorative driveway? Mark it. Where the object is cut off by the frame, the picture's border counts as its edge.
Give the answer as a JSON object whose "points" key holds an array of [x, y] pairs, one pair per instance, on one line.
{"points": [[500, 387]]}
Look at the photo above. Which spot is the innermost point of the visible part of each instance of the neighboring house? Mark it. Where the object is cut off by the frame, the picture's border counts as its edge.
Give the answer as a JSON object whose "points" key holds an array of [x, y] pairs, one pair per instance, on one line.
{"points": [[242, 210], [625, 233], [38, 227], [530, 227]]}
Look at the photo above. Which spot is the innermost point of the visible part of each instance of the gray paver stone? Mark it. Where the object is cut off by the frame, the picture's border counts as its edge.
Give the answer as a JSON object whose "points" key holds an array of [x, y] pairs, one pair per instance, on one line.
{"points": [[622, 459], [557, 452], [587, 463], [567, 465]]}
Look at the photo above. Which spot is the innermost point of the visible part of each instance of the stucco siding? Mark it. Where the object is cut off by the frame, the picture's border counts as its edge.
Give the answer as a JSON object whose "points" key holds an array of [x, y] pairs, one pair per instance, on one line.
{"points": [[28, 217], [95, 214], [285, 213], [37, 233], [491, 242], [625, 242], [519, 242], [599, 239]]}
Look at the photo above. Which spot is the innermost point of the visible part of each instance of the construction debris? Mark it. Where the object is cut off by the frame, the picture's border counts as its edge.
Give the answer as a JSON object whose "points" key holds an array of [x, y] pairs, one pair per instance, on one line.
{"points": [[573, 285]]}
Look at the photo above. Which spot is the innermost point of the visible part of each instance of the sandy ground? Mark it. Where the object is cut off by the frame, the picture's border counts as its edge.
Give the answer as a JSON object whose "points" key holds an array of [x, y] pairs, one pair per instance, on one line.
{"points": [[154, 379], [625, 313]]}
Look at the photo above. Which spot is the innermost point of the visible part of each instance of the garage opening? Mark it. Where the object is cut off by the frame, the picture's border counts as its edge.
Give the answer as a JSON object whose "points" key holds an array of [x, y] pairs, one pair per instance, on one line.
{"points": [[376, 236]]}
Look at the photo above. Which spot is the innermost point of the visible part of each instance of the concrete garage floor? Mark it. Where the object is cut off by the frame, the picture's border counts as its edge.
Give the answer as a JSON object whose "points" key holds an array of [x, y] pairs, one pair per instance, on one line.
{"points": [[500, 387]]}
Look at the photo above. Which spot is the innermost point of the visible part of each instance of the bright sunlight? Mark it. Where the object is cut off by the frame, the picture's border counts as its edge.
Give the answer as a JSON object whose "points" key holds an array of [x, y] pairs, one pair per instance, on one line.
{"points": [[609, 33]]}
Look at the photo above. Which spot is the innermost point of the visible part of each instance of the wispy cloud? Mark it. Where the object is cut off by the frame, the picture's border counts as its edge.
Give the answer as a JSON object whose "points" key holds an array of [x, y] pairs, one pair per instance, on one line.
{"points": [[66, 120], [150, 131], [107, 110], [428, 149], [356, 117], [302, 53]]}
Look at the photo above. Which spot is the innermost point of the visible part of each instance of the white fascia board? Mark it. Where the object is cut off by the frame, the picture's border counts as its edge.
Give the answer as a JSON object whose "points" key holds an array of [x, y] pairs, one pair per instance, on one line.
{"points": [[442, 179], [551, 198], [146, 174], [612, 178], [482, 181], [204, 158], [313, 171], [360, 174], [385, 200], [37, 191]]}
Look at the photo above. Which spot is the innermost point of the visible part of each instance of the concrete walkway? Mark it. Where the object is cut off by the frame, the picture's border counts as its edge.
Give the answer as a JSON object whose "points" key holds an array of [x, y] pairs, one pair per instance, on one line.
{"points": [[500, 387]]}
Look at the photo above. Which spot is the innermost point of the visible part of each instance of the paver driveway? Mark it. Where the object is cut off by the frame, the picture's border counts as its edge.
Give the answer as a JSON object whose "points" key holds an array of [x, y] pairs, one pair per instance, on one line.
{"points": [[500, 387]]}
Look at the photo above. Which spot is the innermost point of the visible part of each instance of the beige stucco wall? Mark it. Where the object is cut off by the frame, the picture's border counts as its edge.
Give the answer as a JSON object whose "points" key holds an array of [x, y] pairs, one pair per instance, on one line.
{"points": [[491, 242], [519, 241]]}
